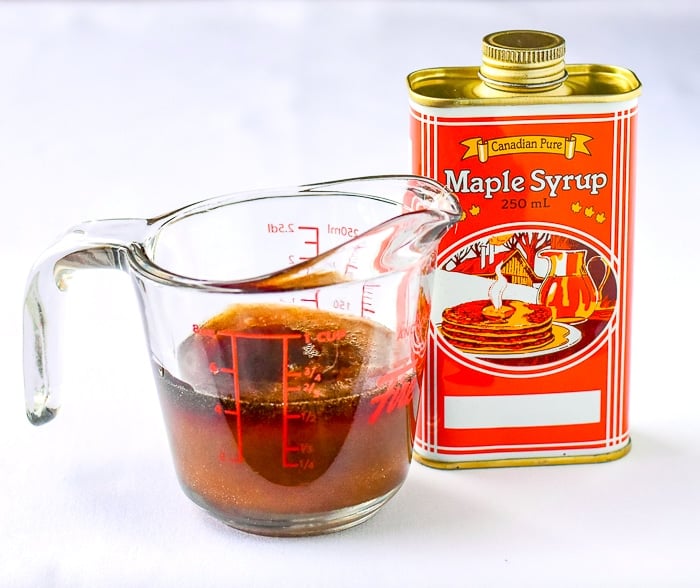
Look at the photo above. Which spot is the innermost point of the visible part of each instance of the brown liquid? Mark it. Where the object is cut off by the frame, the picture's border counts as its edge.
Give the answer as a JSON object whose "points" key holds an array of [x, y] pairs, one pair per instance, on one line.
{"points": [[314, 425]]}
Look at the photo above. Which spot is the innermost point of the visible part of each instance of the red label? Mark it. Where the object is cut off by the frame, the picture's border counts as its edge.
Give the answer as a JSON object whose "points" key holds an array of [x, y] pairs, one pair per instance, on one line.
{"points": [[529, 329]]}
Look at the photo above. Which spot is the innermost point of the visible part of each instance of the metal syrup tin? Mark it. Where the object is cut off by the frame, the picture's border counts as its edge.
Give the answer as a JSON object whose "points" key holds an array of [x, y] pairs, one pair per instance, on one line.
{"points": [[528, 359]]}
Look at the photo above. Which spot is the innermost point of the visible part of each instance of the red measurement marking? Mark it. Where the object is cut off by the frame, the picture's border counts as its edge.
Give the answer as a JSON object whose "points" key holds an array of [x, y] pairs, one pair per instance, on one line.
{"points": [[352, 263], [330, 336], [233, 371], [203, 332], [311, 301], [215, 369], [286, 416], [218, 409], [313, 242], [367, 299], [223, 456], [288, 376]]}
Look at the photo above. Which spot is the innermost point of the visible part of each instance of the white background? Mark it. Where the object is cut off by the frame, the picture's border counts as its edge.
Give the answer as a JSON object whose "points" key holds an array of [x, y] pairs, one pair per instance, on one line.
{"points": [[112, 109]]}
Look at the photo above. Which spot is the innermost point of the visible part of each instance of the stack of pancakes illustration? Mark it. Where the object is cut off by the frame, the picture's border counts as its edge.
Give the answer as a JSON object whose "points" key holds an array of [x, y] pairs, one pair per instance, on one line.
{"points": [[515, 326]]}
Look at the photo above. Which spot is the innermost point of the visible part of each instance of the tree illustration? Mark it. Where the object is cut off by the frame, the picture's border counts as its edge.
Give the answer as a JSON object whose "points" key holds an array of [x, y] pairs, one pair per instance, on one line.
{"points": [[561, 242], [472, 250], [529, 242]]}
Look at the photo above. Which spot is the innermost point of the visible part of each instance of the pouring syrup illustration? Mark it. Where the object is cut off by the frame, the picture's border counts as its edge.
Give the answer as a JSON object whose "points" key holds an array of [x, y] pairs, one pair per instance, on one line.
{"points": [[568, 288]]}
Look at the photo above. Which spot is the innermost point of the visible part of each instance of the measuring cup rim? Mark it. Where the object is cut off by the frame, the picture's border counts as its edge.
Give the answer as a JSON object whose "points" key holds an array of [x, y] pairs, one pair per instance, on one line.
{"points": [[297, 190], [139, 259]]}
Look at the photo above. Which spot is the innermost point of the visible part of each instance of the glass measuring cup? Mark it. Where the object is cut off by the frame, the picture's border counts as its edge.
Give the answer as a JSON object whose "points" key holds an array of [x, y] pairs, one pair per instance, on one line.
{"points": [[286, 330]]}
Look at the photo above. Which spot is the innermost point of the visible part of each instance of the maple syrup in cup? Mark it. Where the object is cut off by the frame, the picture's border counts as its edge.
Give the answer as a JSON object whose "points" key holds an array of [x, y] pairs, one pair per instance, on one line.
{"points": [[287, 331], [289, 411]]}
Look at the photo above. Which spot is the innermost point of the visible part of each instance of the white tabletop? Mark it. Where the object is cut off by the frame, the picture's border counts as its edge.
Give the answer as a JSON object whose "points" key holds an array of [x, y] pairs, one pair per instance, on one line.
{"points": [[111, 109]]}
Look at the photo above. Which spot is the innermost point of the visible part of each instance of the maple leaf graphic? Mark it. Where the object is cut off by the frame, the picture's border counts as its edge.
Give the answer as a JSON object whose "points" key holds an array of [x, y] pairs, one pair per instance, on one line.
{"points": [[474, 210], [589, 212], [600, 217], [576, 207]]}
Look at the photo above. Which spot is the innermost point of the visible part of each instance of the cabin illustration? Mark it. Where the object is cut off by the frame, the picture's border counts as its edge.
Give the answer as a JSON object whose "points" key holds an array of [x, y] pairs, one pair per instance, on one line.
{"points": [[514, 267]]}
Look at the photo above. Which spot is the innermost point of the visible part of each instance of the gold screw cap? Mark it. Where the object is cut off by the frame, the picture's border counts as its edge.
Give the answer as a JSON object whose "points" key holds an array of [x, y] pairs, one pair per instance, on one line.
{"points": [[523, 60]]}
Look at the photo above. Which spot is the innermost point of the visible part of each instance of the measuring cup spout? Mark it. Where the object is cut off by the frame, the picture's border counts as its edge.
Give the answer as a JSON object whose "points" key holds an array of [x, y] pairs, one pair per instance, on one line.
{"points": [[94, 244], [393, 245]]}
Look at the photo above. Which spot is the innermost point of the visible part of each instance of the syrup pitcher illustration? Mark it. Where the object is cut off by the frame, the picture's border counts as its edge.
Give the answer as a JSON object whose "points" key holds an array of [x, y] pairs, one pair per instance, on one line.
{"points": [[568, 288]]}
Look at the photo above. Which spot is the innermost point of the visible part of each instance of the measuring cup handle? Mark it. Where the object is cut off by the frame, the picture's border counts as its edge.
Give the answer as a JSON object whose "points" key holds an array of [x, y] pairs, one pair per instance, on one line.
{"points": [[95, 244]]}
